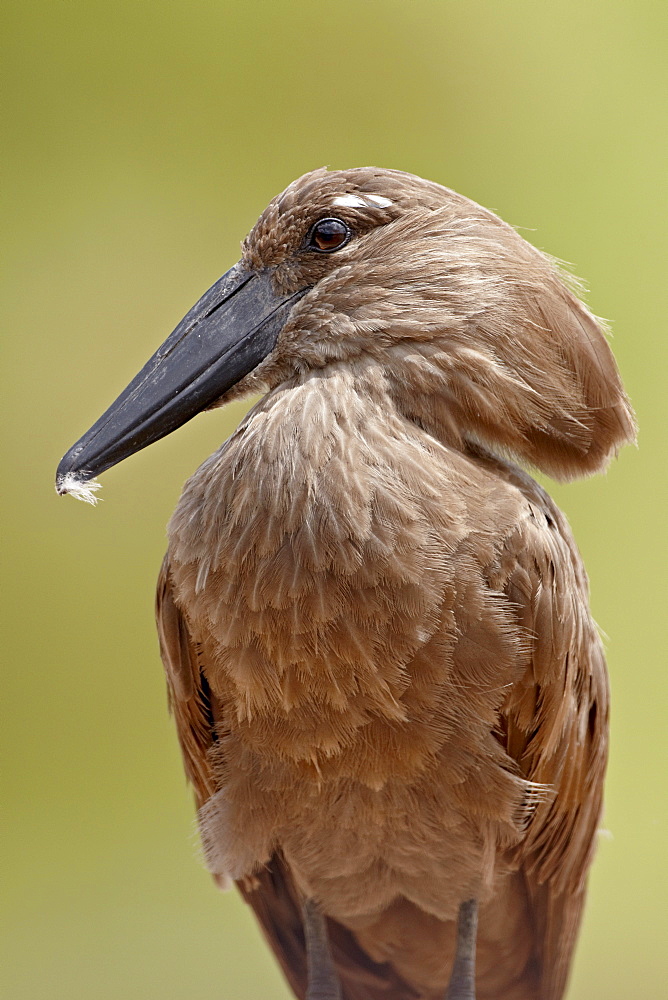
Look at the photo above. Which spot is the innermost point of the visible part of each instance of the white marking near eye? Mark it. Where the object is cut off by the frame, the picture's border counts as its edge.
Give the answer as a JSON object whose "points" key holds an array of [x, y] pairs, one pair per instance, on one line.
{"points": [[378, 199], [78, 488], [359, 201], [350, 201]]}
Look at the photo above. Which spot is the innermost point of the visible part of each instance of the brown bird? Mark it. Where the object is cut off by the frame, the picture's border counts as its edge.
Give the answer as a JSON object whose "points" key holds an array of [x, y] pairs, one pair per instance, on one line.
{"points": [[390, 695]]}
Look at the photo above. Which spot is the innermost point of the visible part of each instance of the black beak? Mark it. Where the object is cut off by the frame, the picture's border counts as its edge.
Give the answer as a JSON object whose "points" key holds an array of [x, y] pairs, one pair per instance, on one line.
{"points": [[224, 337]]}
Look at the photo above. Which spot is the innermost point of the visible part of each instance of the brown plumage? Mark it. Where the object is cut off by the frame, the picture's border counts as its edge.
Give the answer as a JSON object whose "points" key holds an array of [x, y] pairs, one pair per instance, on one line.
{"points": [[390, 694]]}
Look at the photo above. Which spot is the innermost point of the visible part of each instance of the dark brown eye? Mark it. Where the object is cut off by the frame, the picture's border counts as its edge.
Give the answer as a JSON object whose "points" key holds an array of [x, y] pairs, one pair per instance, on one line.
{"points": [[328, 235]]}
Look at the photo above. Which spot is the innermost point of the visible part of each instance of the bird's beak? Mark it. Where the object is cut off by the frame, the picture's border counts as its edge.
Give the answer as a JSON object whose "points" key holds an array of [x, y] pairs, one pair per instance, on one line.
{"points": [[224, 337]]}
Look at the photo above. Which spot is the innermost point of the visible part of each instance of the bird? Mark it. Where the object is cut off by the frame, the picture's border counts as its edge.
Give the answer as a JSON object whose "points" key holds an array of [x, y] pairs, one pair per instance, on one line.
{"points": [[390, 695]]}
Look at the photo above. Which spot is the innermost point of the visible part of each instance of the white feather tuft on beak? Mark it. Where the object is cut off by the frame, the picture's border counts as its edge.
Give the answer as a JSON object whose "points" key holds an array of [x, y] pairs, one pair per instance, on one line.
{"points": [[79, 488]]}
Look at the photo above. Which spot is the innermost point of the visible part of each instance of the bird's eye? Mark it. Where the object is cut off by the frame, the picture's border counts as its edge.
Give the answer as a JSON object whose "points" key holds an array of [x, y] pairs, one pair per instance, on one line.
{"points": [[328, 235]]}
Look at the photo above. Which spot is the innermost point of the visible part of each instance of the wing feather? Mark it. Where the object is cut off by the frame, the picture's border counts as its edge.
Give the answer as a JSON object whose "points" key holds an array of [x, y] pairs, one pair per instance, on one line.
{"points": [[555, 726], [187, 688]]}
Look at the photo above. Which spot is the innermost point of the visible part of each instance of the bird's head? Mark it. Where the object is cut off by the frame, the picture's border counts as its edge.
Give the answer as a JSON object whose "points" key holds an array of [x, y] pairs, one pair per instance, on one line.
{"points": [[475, 334]]}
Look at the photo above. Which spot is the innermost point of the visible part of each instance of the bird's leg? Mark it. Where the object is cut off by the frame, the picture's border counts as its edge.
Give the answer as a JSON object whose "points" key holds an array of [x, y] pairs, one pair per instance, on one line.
{"points": [[462, 980], [323, 982]]}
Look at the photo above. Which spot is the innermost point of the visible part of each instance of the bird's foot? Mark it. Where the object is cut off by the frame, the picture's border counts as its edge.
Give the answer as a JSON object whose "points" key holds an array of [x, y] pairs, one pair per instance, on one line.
{"points": [[462, 980], [323, 982]]}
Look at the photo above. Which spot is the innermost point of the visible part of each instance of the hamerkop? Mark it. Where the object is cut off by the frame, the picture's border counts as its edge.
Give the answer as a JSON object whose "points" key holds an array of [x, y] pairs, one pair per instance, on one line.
{"points": [[390, 695]]}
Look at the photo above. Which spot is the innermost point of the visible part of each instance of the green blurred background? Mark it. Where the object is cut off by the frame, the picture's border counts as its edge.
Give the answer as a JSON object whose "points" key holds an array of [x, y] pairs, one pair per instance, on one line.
{"points": [[143, 138]]}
